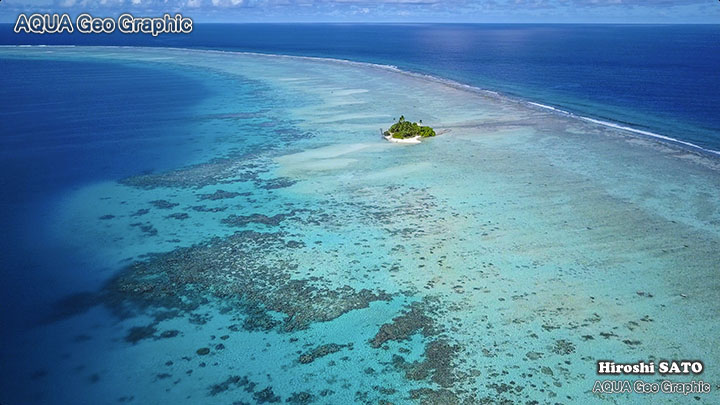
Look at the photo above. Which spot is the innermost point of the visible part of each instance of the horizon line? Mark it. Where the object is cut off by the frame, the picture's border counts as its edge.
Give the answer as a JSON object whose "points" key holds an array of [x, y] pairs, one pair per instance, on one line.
{"points": [[208, 22]]}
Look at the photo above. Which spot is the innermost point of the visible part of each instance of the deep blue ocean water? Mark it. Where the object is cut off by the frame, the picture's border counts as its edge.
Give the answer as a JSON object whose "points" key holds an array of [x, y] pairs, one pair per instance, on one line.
{"points": [[88, 122], [661, 78]]}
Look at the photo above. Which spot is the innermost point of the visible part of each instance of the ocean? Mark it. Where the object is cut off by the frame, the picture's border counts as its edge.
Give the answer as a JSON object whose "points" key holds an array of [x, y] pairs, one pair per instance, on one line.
{"points": [[657, 78], [199, 219]]}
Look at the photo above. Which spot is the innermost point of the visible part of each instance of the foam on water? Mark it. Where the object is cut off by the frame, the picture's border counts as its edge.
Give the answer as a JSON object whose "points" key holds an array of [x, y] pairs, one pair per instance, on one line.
{"points": [[625, 128]]}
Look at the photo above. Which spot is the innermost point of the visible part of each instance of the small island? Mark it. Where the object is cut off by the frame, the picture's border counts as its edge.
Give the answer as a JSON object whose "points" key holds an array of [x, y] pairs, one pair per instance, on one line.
{"points": [[407, 132]]}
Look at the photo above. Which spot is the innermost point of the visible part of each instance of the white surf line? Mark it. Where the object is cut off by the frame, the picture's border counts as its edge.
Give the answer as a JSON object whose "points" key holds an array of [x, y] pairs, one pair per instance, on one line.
{"points": [[393, 68], [624, 128]]}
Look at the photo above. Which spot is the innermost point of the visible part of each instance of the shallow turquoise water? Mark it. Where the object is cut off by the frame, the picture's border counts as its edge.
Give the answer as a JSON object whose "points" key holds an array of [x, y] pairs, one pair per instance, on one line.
{"points": [[497, 261]]}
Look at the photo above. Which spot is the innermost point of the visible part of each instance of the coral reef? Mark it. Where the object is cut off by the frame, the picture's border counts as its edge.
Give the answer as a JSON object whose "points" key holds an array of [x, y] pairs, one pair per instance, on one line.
{"points": [[404, 326], [321, 351], [220, 195], [249, 271]]}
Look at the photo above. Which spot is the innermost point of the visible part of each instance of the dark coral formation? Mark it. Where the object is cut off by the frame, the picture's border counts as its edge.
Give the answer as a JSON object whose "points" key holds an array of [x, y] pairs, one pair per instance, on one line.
{"points": [[563, 347], [219, 195], [280, 182], [404, 326], [249, 271], [235, 168], [242, 220], [232, 382], [438, 362], [163, 204], [266, 396], [140, 212], [147, 228], [437, 365], [169, 333], [428, 396], [300, 398], [321, 351], [138, 333], [203, 208], [195, 176]]}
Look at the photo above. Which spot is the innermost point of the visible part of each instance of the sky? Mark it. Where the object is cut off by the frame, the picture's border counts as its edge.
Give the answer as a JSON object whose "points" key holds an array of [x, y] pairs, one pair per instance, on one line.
{"points": [[376, 11]]}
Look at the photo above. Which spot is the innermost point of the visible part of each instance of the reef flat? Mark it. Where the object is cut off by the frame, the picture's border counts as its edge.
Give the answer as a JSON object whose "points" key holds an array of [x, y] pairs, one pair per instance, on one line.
{"points": [[298, 258]]}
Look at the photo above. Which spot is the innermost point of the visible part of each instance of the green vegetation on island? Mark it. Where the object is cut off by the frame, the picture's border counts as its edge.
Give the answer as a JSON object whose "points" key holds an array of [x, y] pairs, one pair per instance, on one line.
{"points": [[405, 129]]}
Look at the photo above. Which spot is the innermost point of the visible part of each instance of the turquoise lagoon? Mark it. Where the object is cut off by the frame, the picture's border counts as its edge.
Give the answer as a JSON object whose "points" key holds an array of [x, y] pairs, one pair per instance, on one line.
{"points": [[290, 254]]}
